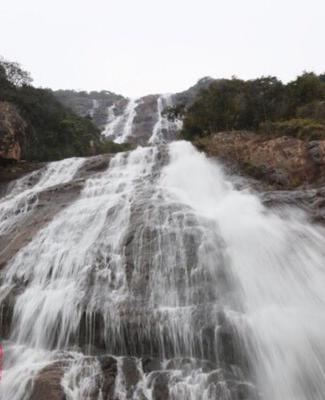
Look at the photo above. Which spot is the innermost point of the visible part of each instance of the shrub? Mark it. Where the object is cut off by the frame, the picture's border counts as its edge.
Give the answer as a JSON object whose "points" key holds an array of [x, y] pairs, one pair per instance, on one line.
{"points": [[314, 110], [107, 146], [298, 127]]}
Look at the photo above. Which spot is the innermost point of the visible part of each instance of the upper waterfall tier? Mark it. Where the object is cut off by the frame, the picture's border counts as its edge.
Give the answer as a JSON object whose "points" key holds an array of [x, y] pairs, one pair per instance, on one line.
{"points": [[142, 121], [139, 121]]}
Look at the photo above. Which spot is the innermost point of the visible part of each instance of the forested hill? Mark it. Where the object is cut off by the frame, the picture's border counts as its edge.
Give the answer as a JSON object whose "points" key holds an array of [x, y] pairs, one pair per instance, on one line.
{"points": [[265, 105], [43, 125], [34, 125], [269, 130]]}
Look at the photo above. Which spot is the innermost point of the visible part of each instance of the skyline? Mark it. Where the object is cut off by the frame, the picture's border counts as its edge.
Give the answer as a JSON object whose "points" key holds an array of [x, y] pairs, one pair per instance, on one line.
{"points": [[139, 48]]}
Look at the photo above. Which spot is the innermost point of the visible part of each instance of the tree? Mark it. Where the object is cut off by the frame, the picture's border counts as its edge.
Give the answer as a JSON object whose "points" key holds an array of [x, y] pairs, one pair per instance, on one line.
{"points": [[218, 107], [15, 74], [264, 100], [307, 88], [174, 112]]}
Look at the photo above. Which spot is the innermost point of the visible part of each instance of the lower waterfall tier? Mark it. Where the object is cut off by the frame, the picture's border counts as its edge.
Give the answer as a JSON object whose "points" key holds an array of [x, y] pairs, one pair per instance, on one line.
{"points": [[152, 276]]}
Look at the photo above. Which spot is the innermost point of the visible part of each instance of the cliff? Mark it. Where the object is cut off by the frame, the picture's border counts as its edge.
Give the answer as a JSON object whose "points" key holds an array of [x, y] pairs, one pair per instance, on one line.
{"points": [[12, 133]]}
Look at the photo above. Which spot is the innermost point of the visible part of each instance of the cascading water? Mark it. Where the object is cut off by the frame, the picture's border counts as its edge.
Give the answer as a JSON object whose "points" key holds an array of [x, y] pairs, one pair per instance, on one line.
{"points": [[112, 122], [119, 128], [22, 196], [162, 281], [278, 264], [164, 129], [95, 105]]}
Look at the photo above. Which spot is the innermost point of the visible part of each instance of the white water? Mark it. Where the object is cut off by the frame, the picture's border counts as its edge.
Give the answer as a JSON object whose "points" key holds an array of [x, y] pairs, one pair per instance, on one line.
{"points": [[94, 107], [119, 128], [130, 114], [23, 195], [279, 265], [82, 378], [112, 122], [149, 242], [163, 127]]}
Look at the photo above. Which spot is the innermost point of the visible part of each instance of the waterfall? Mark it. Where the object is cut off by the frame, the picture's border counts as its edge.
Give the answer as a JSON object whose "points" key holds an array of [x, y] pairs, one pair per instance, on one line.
{"points": [[164, 130], [95, 105], [23, 195], [112, 122], [163, 280], [143, 120], [119, 128], [278, 264]]}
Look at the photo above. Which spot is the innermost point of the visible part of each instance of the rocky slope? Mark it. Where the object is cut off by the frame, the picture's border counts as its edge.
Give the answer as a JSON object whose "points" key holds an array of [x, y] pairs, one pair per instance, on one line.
{"points": [[284, 162], [144, 306], [40, 205], [155, 355], [142, 275], [285, 171]]}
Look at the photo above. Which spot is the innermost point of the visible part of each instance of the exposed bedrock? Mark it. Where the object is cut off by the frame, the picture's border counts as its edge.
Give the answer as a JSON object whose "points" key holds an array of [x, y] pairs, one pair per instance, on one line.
{"points": [[12, 133], [150, 303], [284, 162]]}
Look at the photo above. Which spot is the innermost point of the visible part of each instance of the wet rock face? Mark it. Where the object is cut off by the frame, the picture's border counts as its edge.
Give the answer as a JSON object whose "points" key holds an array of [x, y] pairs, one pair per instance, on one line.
{"points": [[153, 302], [12, 133], [43, 208], [93, 104], [284, 162], [47, 384], [181, 378], [11, 172], [39, 208], [53, 383], [46, 205], [32, 213], [312, 201], [145, 119], [126, 377], [93, 165], [97, 105], [109, 369]]}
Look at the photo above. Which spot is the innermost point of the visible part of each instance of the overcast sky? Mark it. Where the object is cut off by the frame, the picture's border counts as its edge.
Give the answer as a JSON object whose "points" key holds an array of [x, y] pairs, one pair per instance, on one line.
{"points": [[136, 47]]}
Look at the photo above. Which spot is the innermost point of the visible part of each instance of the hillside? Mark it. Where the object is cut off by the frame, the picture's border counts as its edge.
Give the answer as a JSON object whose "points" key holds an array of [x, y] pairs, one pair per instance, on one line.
{"points": [[265, 104], [111, 113], [89, 104], [35, 126]]}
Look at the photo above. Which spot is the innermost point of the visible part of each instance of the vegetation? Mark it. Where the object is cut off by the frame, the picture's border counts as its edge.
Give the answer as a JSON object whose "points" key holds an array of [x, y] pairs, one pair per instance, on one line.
{"points": [[54, 131], [107, 146], [264, 104], [175, 112], [301, 128]]}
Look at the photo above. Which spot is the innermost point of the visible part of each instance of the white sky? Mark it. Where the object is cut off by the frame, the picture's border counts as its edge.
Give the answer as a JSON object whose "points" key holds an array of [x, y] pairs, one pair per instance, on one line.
{"points": [[136, 47]]}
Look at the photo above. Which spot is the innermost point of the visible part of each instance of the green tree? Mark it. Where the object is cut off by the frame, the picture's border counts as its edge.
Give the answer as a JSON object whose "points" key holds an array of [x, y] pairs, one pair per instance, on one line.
{"points": [[217, 108], [305, 89]]}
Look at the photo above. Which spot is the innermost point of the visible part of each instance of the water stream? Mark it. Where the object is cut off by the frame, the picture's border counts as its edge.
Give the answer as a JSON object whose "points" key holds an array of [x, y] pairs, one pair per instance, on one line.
{"points": [[166, 273]]}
